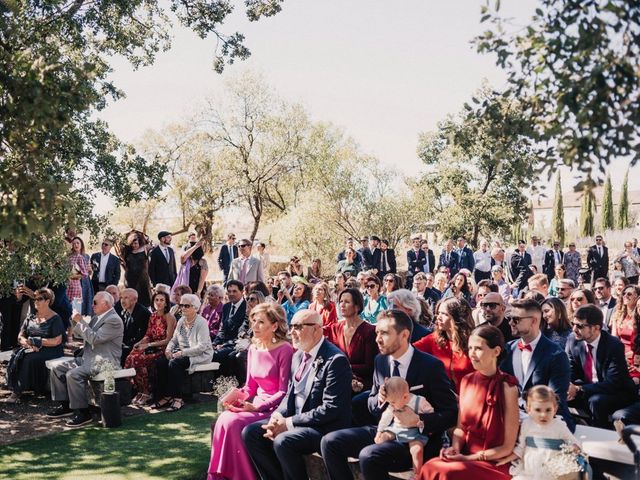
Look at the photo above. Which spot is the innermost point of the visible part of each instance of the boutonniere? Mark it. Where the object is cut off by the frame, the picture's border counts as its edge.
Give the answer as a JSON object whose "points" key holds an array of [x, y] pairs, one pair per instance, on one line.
{"points": [[317, 363]]}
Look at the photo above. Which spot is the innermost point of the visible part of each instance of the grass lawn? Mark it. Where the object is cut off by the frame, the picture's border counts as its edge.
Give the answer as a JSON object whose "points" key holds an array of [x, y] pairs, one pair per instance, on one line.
{"points": [[172, 446]]}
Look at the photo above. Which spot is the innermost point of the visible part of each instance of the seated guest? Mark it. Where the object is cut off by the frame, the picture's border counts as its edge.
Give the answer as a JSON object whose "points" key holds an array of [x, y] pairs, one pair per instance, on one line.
{"points": [[151, 347], [488, 423], [323, 305], [493, 312], [212, 310], [560, 272], [114, 291], [177, 295], [431, 294], [440, 281], [237, 364], [600, 381], [259, 287], [407, 302], [485, 286], [539, 283], [459, 288], [102, 337], [135, 318], [556, 322], [349, 265], [299, 299], [579, 297], [625, 326], [40, 339], [234, 313], [534, 359], [565, 289], [607, 303], [390, 283], [426, 377], [319, 390], [374, 303], [268, 372], [355, 337], [504, 289], [189, 347], [449, 342]]}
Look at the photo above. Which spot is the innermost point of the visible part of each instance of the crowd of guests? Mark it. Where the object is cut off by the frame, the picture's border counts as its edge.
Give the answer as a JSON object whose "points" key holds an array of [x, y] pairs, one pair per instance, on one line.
{"points": [[477, 339]]}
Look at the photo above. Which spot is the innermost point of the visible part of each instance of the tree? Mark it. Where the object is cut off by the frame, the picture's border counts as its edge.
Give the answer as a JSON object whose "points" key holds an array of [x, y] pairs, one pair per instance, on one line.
{"points": [[623, 206], [574, 69], [557, 215], [587, 213], [607, 206]]}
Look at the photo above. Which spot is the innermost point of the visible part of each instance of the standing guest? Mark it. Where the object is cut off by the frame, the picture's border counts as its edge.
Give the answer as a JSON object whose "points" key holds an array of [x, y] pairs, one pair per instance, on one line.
{"points": [[198, 267], [191, 241], [263, 256], [189, 347], [497, 258], [79, 270], [390, 283], [151, 347], [365, 253], [300, 299], [105, 267], [560, 274], [384, 259], [162, 261], [519, 267], [449, 342], [268, 372], [212, 310], [493, 311], [600, 381], [313, 406], [537, 252], [624, 325], [572, 262], [552, 259], [40, 339], [602, 291], [598, 259], [430, 265], [482, 260], [315, 271], [135, 319], [458, 288], [356, 338], [375, 246], [579, 297], [488, 422], [416, 260], [497, 275], [465, 255], [405, 301], [323, 305], [228, 253], [449, 259], [630, 261], [373, 302], [136, 267], [246, 268], [349, 265], [557, 326]]}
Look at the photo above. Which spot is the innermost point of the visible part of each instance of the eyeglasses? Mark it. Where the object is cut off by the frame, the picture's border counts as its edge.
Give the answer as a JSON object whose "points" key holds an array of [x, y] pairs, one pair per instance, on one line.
{"points": [[577, 299], [564, 288], [373, 285], [598, 288], [252, 299], [185, 305], [579, 326], [517, 320], [40, 299], [299, 326], [490, 306], [598, 239], [628, 294]]}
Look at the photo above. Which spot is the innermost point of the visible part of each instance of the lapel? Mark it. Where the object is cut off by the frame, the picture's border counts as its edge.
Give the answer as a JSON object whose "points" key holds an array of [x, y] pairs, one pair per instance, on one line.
{"points": [[517, 363], [583, 355], [601, 355], [538, 354]]}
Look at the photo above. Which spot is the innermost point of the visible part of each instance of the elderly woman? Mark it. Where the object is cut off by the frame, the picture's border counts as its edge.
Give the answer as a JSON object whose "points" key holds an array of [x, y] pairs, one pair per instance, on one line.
{"points": [[189, 347], [630, 263], [449, 341], [323, 305], [406, 301], [558, 326], [373, 302], [504, 289], [40, 338], [298, 300], [268, 371], [349, 264], [212, 311], [179, 291]]}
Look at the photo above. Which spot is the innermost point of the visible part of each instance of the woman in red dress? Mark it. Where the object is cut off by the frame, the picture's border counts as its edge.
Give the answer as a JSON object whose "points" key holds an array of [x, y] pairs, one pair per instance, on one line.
{"points": [[488, 418], [323, 305], [151, 347], [448, 343]]}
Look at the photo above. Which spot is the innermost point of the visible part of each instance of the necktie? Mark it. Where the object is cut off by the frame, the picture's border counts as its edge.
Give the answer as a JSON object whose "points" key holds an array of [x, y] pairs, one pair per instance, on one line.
{"points": [[302, 367], [382, 261], [524, 346], [426, 264], [243, 271], [604, 304], [166, 254], [396, 369], [230, 252], [600, 251], [127, 318], [386, 264], [233, 310], [446, 258], [588, 364], [557, 258]]}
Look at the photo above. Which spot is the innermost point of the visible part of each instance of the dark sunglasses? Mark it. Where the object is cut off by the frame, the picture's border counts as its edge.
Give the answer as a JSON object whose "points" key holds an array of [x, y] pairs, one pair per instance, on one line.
{"points": [[490, 305], [577, 299], [244, 245], [517, 320], [579, 326], [106, 244], [598, 288], [373, 285], [185, 305]]}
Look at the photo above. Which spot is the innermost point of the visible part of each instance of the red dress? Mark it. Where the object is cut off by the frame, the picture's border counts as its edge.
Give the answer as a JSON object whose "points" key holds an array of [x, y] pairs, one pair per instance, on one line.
{"points": [[144, 363], [481, 417], [361, 351], [627, 335], [328, 313], [456, 364]]}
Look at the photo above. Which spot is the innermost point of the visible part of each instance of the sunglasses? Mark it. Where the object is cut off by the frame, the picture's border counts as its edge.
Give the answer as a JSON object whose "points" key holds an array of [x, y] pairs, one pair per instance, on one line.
{"points": [[40, 299], [243, 245], [579, 326], [373, 285], [598, 288], [252, 299], [577, 299], [490, 306], [628, 294], [299, 326], [185, 305]]}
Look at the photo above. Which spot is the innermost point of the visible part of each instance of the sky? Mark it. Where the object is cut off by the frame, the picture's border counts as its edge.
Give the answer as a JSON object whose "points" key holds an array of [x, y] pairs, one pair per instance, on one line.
{"points": [[382, 70]]}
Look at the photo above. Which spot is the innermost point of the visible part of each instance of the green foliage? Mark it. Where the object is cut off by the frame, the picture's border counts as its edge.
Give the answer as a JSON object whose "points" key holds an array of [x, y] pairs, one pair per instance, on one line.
{"points": [[587, 213], [623, 205], [574, 69], [557, 214], [607, 206]]}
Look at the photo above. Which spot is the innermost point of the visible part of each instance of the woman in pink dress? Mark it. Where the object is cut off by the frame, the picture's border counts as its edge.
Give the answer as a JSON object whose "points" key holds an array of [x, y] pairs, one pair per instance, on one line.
{"points": [[268, 369]]}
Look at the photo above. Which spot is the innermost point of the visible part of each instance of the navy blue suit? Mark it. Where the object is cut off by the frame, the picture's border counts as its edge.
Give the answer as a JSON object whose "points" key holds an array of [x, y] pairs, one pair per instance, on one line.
{"points": [[466, 259], [111, 273], [224, 259], [224, 343], [427, 374], [520, 271], [549, 365], [451, 264], [325, 409]]}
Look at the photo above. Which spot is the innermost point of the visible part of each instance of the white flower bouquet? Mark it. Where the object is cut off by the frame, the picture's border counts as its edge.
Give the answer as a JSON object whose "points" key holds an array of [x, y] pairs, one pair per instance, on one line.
{"points": [[102, 366], [565, 464]]}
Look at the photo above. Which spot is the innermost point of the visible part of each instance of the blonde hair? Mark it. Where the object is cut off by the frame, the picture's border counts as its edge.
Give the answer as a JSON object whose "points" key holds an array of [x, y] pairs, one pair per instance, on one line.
{"points": [[541, 393], [275, 314]]}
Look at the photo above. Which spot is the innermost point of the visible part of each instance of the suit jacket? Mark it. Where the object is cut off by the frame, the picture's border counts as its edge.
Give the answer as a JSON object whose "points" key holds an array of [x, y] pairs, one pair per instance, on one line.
{"points": [[599, 265], [101, 337], [161, 271], [341, 256], [111, 273], [466, 259], [431, 263], [452, 264], [548, 366], [367, 258], [253, 273], [611, 366], [427, 374], [327, 406], [376, 260], [137, 327], [520, 271], [415, 263], [229, 325], [224, 260], [550, 263], [607, 317]]}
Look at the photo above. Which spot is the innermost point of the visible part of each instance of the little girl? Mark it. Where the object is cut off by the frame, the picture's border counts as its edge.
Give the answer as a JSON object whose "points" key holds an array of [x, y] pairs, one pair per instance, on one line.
{"points": [[541, 435], [390, 428]]}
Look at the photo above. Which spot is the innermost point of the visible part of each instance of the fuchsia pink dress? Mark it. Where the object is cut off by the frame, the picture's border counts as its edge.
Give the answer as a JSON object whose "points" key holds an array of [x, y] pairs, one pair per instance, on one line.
{"points": [[267, 381]]}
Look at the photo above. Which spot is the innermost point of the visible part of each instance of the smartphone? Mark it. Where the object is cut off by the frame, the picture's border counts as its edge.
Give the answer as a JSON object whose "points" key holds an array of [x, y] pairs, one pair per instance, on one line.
{"points": [[76, 305]]}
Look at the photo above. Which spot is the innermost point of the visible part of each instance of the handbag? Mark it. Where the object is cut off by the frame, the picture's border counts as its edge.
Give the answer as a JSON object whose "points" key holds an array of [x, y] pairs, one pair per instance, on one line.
{"points": [[181, 279]]}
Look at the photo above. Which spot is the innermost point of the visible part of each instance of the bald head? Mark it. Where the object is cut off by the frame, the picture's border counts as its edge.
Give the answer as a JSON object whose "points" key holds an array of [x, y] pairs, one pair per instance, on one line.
{"points": [[306, 329]]}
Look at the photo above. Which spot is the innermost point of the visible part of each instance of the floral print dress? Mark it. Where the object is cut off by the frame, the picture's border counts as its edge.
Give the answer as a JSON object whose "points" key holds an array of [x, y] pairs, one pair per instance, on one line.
{"points": [[144, 363]]}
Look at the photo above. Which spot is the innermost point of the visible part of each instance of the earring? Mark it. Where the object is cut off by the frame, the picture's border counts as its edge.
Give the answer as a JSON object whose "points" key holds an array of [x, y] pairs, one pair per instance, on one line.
{"points": [[274, 340]]}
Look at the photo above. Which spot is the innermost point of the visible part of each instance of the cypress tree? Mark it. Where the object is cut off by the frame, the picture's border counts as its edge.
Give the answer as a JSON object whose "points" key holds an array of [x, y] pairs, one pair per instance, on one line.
{"points": [[557, 217], [623, 206], [587, 213], [607, 206]]}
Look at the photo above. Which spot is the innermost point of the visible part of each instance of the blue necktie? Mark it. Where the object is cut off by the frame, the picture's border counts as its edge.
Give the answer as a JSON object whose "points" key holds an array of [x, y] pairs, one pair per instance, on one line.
{"points": [[396, 369]]}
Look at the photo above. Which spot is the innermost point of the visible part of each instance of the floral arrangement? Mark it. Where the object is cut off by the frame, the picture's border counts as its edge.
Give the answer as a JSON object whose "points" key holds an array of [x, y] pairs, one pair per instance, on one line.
{"points": [[223, 385], [565, 464], [106, 368]]}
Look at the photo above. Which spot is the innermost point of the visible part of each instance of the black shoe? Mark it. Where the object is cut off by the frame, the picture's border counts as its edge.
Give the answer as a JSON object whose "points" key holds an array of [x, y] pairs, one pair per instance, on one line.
{"points": [[79, 419], [60, 411]]}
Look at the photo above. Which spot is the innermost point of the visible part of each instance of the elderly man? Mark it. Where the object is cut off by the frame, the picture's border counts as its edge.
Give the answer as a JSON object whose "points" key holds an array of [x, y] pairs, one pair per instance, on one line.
{"points": [[135, 319], [102, 337], [406, 301], [316, 403]]}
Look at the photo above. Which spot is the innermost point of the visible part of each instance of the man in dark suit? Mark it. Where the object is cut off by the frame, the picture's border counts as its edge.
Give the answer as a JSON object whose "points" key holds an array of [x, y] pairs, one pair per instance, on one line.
{"points": [[598, 259], [384, 259], [416, 259], [519, 266], [465, 255], [228, 253], [534, 359], [552, 258], [365, 253], [600, 380], [606, 302], [349, 244], [233, 314], [426, 377], [430, 265], [162, 261], [105, 266], [135, 319], [449, 258], [317, 402]]}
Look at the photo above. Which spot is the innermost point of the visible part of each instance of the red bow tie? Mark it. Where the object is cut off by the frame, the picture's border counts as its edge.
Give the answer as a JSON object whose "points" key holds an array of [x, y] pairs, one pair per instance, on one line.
{"points": [[523, 346]]}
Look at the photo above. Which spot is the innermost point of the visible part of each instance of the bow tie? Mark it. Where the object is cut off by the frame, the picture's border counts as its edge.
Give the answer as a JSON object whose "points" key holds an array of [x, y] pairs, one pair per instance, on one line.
{"points": [[523, 346], [604, 304]]}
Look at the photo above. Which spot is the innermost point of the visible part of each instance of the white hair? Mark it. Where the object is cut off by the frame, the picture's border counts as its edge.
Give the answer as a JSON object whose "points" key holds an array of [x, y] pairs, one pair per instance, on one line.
{"points": [[216, 289], [408, 300], [191, 299], [107, 297]]}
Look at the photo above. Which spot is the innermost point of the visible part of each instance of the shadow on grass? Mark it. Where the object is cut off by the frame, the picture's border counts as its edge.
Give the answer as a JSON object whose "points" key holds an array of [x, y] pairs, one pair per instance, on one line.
{"points": [[160, 446]]}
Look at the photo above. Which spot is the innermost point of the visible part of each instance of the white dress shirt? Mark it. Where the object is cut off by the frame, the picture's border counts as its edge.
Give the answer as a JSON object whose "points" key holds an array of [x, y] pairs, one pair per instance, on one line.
{"points": [[300, 393], [483, 261], [104, 260], [526, 355], [404, 360]]}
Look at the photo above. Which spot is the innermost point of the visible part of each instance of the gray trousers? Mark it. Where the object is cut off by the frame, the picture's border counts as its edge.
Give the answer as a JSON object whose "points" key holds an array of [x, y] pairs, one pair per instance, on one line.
{"points": [[69, 383]]}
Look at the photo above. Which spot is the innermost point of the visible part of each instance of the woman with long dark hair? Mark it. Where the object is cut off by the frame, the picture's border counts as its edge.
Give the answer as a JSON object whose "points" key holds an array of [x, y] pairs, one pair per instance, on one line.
{"points": [[458, 288], [556, 321], [136, 267]]}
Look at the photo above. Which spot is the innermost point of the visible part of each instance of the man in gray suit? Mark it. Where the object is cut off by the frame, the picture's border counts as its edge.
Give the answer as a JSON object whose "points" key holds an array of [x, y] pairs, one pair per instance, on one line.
{"points": [[102, 337], [246, 268]]}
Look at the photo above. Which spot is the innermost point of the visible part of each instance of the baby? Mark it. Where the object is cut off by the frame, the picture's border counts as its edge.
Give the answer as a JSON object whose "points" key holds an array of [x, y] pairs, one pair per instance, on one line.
{"points": [[399, 398]]}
